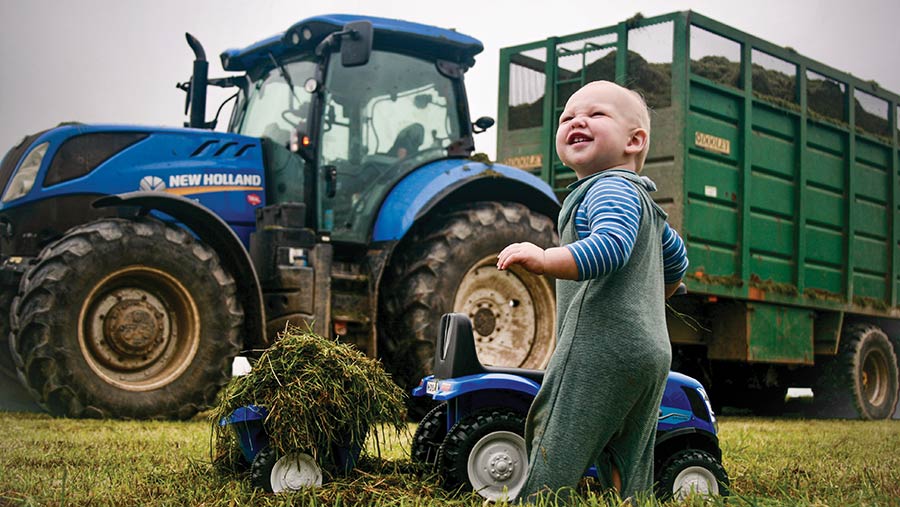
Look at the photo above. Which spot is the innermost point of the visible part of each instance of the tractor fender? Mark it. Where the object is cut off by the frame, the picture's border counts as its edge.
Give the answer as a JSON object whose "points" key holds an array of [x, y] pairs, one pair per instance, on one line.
{"points": [[670, 441], [423, 189], [213, 231], [452, 388]]}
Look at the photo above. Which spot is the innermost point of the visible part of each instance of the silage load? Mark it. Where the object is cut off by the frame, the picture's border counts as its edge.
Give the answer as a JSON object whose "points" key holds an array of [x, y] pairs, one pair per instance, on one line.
{"points": [[319, 393]]}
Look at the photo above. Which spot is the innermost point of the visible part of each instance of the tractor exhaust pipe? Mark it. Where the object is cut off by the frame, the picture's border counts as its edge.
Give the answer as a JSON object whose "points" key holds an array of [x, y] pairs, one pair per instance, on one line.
{"points": [[199, 80]]}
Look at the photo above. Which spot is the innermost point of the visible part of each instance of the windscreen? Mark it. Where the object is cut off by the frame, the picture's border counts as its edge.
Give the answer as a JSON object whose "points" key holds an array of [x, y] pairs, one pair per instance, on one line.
{"points": [[274, 108]]}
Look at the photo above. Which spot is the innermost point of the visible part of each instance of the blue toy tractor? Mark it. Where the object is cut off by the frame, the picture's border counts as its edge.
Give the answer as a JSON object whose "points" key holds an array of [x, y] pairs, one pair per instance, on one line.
{"points": [[137, 262], [474, 437]]}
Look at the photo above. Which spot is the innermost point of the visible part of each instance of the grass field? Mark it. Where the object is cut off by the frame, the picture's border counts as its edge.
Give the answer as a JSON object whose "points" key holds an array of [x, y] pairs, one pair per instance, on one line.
{"points": [[48, 461]]}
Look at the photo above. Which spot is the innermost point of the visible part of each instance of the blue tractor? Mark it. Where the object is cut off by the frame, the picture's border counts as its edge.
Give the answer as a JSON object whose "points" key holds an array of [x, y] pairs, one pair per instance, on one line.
{"points": [[137, 262]]}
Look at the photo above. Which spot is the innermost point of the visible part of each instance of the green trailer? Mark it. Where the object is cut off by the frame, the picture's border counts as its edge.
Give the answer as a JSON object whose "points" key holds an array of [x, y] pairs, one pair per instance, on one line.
{"points": [[781, 174]]}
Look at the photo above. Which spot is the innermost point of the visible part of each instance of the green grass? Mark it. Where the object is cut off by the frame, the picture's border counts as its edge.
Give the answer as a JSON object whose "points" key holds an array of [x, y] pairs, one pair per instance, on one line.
{"points": [[48, 461]]}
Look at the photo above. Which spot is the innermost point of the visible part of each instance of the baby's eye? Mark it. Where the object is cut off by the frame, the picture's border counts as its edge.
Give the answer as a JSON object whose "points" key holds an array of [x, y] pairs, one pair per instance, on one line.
{"points": [[564, 119], [596, 114]]}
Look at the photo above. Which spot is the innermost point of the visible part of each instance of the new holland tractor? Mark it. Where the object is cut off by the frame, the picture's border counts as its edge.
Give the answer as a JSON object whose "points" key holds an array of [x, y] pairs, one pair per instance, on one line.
{"points": [[138, 262]]}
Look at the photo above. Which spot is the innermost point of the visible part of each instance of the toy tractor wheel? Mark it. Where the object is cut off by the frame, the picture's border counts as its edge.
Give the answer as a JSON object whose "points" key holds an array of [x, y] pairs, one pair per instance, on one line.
{"points": [[429, 434], [291, 472], [863, 380], [448, 264], [691, 472], [486, 452], [126, 318]]}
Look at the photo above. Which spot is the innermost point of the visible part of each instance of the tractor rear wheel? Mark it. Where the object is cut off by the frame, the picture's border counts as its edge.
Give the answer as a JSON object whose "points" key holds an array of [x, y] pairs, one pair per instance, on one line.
{"points": [[127, 319], [863, 379], [448, 264]]}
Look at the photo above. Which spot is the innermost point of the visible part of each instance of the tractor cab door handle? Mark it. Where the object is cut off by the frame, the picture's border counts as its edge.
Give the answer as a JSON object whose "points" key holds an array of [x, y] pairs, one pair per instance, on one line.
{"points": [[330, 181]]}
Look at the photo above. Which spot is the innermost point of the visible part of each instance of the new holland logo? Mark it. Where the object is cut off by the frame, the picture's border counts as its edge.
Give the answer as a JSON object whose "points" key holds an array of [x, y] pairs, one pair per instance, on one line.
{"points": [[152, 184]]}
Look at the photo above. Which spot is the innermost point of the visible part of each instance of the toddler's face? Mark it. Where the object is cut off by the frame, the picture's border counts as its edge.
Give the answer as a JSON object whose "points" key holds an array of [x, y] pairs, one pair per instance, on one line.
{"points": [[595, 128]]}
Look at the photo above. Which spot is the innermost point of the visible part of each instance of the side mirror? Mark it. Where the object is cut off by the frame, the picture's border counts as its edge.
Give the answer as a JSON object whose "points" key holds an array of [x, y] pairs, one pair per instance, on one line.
{"points": [[356, 44], [482, 124]]}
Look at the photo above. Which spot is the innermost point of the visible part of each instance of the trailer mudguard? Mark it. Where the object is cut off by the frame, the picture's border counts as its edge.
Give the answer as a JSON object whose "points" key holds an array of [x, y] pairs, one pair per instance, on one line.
{"points": [[447, 389], [213, 231], [423, 189]]}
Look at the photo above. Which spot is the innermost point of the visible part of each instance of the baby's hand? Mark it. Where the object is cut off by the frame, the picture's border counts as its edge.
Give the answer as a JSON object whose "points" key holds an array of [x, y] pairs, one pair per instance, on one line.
{"points": [[529, 255]]}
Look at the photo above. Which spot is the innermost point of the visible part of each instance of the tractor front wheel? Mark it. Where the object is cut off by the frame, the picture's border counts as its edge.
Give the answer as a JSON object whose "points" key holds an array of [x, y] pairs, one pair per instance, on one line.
{"points": [[127, 319]]}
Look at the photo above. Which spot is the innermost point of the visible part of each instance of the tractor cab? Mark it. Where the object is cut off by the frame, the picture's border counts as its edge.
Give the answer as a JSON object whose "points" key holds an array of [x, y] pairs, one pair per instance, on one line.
{"points": [[346, 106]]}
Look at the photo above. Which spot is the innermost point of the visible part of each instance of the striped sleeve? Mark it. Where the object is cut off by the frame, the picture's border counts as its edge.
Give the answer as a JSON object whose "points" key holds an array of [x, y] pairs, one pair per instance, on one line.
{"points": [[607, 222], [675, 261]]}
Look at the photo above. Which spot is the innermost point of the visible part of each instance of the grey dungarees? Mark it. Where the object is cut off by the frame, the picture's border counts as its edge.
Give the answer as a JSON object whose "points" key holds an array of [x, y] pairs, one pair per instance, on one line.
{"points": [[599, 401]]}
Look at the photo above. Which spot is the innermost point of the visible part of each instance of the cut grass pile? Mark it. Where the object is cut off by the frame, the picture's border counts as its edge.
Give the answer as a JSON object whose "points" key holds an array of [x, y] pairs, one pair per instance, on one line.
{"points": [[318, 393]]}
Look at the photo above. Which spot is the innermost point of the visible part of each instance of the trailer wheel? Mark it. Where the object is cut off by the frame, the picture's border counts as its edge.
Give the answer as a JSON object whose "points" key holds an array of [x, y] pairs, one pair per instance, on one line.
{"points": [[429, 434], [127, 319], [448, 264], [864, 376], [691, 471], [291, 472], [486, 452]]}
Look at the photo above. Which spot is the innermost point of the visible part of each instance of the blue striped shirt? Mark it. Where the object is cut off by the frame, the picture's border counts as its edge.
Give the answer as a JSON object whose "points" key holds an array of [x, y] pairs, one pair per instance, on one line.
{"points": [[607, 222]]}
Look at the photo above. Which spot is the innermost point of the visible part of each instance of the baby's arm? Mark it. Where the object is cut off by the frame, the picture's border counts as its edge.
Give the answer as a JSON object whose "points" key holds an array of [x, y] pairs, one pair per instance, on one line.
{"points": [[556, 262], [675, 261], [610, 219]]}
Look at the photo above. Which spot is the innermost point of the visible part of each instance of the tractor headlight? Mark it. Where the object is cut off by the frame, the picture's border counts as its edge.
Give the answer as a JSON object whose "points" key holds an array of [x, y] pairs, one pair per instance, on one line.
{"points": [[23, 180]]}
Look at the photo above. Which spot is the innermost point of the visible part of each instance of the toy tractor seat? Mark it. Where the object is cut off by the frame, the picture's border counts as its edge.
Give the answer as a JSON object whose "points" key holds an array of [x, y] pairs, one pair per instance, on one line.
{"points": [[455, 354]]}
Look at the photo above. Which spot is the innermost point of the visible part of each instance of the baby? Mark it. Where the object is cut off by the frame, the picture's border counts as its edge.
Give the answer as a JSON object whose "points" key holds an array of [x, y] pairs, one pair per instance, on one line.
{"points": [[600, 398]]}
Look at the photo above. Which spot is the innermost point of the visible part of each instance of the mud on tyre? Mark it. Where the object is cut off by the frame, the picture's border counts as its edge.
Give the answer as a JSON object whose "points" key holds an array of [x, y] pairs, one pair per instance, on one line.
{"points": [[448, 264], [127, 319]]}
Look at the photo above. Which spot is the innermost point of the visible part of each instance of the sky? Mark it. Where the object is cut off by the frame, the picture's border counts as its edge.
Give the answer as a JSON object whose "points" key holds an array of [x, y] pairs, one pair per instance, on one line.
{"points": [[113, 61]]}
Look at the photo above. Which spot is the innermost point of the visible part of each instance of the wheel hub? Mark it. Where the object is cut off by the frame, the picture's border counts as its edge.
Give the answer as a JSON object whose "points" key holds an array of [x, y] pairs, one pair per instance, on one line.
{"points": [[695, 480], [502, 466], [512, 314], [484, 321], [295, 472], [133, 327], [139, 328], [875, 371], [493, 465]]}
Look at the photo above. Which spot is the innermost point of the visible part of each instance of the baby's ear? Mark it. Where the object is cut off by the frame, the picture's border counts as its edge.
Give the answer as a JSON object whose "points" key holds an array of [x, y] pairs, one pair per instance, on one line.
{"points": [[637, 142]]}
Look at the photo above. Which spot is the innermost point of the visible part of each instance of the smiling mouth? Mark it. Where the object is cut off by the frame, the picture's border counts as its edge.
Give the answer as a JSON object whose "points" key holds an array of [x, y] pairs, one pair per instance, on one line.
{"points": [[577, 139]]}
